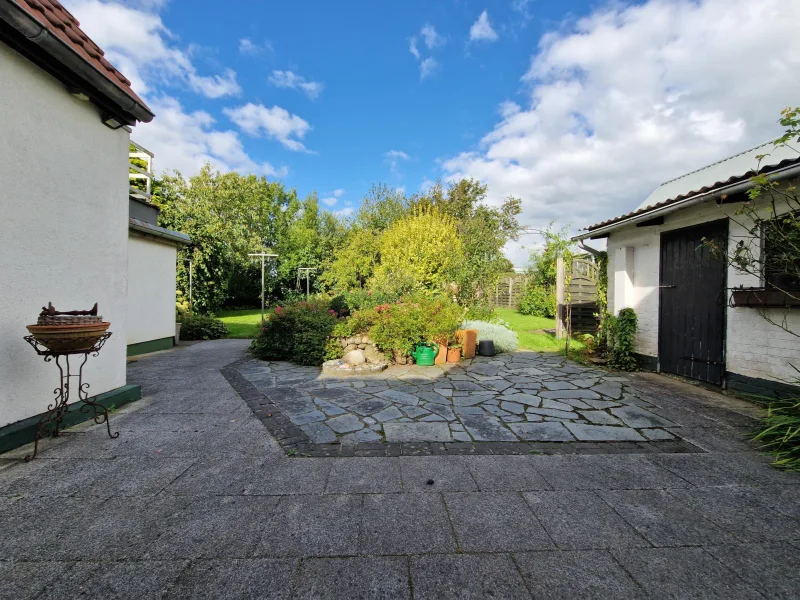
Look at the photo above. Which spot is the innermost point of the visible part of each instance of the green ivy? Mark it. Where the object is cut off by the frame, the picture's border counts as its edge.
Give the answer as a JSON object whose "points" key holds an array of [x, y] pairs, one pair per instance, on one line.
{"points": [[621, 332]]}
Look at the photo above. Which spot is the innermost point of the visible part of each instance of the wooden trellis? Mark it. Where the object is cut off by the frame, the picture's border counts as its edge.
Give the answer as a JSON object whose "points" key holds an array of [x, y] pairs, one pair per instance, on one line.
{"points": [[508, 291], [576, 297]]}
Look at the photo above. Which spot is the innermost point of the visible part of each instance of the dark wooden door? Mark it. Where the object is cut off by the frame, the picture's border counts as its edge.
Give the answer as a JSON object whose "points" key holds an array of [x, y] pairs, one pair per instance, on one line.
{"points": [[692, 303]]}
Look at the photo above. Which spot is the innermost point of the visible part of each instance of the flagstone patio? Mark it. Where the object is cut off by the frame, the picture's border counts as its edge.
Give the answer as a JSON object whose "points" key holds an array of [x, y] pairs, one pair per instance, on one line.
{"points": [[505, 401]]}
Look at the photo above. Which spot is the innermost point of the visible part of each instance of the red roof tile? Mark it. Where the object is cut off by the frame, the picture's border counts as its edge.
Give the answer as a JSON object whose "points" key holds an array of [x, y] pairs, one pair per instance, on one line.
{"points": [[62, 24]]}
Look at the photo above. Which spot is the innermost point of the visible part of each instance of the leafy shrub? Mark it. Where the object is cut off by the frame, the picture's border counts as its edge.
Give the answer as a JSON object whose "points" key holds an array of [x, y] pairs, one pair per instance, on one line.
{"points": [[481, 311], [539, 301], [621, 332], [780, 433], [297, 332], [201, 327], [504, 339], [339, 305]]}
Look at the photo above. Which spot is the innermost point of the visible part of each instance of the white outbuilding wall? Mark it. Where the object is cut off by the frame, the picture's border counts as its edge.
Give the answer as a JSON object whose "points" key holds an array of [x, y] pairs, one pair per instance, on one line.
{"points": [[64, 229], [754, 348], [151, 289]]}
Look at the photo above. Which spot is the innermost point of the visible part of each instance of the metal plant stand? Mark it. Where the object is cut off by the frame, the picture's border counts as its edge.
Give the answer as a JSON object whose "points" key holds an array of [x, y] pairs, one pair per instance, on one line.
{"points": [[50, 423]]}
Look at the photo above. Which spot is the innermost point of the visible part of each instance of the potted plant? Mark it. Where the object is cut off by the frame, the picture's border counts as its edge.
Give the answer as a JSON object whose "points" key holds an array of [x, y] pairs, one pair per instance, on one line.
{"points": [[454, 353]]}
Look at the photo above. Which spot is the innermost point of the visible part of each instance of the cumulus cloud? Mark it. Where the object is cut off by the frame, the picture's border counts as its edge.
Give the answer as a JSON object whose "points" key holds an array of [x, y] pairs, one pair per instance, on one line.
{"points": [[481, 30], [187, 140], [276, 123], [631, 96], [139, 44], [333, 197], [289, 79]]}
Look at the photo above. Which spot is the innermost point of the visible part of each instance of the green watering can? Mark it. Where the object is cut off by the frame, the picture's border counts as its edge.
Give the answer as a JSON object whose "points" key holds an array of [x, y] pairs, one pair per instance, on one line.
{"points": [[425, 354]]}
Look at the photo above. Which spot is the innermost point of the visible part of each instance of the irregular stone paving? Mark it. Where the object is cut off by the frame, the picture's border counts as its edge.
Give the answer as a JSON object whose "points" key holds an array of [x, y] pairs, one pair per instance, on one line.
{"points": [[519, 397], [195, 499]]}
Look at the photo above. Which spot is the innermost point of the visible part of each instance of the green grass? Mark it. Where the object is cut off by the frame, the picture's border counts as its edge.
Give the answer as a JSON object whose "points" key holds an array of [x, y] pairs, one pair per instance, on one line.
{"points": [[525, 325], [241, 324], [244, 324]]}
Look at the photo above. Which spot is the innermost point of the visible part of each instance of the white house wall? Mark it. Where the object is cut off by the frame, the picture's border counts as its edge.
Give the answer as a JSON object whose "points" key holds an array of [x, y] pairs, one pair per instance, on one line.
{"points": [[754, 348], [151, 289], [64, 230]]}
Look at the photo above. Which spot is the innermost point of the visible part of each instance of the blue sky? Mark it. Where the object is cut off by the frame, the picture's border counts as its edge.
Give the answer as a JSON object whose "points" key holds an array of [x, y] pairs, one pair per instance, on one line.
{"points": [[578, 108]]}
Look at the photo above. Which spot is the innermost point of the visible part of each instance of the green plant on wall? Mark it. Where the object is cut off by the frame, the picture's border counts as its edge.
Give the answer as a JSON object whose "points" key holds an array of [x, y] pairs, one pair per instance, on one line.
{"points": [[622, 349]]}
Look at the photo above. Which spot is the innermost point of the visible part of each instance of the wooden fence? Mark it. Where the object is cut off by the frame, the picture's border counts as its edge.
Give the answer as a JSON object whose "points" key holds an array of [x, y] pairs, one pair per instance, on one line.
{"points": [[508, 291], [577, 301]]}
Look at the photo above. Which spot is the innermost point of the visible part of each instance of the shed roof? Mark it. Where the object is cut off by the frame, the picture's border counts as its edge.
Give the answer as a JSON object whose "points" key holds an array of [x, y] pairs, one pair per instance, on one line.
{"points": [[738, 167]]}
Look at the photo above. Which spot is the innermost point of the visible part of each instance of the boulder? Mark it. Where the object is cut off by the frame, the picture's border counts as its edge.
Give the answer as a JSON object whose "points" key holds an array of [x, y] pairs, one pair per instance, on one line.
{"points": [[355, 357], [373, 355]]}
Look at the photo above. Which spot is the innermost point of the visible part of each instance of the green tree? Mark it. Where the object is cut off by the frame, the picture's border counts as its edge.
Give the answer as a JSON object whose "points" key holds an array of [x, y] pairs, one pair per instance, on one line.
{"points": [[422, 251], [484, 231]]}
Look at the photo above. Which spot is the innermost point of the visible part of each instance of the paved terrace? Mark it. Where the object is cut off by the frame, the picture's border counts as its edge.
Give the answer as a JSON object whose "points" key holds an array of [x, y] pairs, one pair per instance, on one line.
{"points": [[197, 500]]}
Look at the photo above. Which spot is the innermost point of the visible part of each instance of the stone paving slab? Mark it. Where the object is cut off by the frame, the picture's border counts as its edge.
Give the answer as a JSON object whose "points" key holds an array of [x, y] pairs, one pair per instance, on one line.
{"points": [[226, 514]]}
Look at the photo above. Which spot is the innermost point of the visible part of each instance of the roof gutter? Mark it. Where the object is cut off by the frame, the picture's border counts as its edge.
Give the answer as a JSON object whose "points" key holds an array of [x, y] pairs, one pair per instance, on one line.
{"points": [[733, 188], [37, 34], [175, 237]]}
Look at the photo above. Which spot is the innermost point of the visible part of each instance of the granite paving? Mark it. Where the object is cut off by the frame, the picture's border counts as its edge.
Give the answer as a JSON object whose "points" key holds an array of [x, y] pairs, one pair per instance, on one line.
{"points": [[213, 490]]}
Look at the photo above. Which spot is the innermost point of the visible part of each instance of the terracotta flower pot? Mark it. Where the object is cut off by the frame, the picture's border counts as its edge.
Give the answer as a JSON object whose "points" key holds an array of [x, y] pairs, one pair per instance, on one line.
{"points": [[469, 341], [68, 338], [453, 355], [441, 357]]}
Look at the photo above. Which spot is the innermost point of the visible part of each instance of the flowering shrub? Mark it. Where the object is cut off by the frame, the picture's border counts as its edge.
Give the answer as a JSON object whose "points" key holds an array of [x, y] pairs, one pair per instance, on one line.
{"points": [[397, 327], [297, 332], [504, 339]]}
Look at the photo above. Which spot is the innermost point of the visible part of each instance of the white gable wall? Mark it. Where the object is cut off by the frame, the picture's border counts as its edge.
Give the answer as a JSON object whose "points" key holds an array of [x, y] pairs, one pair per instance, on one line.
{"points": [[151, 289], [754, 348], [63, 239]]}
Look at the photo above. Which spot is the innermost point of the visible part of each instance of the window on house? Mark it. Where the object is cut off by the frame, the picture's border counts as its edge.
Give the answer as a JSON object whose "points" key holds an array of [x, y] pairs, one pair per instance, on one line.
{"points": [[781, 248]]}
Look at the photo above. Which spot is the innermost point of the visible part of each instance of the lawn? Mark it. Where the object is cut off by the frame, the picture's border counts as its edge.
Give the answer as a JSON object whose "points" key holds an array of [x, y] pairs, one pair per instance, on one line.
{"points": [[241, 323], [525, 325], [244, 324]]}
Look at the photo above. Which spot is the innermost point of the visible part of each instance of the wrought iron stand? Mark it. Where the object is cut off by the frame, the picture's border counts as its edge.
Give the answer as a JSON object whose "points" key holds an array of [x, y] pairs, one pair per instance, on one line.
{"points": [[50, 423]]}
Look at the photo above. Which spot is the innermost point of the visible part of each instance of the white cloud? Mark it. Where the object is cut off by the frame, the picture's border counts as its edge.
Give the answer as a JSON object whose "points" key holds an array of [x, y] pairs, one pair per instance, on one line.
{"points": [[431, 38], [138, 43], [346, 211], [276, 122], [289, 79], [141, 47], [393, 158], [216, 86], [250, 48], [333, 197], [481, 30], [631, 96], [186, 141], [412, 47], [428, 67]]}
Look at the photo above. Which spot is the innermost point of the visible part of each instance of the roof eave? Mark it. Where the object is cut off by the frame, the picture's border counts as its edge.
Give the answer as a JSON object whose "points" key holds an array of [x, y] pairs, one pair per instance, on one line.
{"points": [[174, 237], [665, 208], [127, 108]]}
